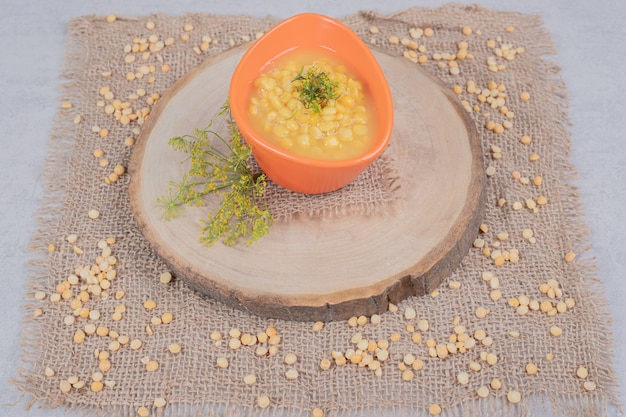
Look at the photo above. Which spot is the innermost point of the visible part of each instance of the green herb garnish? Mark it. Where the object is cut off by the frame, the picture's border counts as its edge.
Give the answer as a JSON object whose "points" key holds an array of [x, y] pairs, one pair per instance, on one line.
{"points": [[243, 210], [315, 88]]}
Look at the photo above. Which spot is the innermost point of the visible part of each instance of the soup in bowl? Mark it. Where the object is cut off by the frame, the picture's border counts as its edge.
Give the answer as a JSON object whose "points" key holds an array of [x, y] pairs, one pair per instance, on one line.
{"points": [[311, 100]]}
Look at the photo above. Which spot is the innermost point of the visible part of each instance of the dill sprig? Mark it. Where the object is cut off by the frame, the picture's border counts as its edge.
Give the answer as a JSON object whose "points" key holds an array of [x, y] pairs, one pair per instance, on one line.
{"points": [[315, 88], [243, 211]]}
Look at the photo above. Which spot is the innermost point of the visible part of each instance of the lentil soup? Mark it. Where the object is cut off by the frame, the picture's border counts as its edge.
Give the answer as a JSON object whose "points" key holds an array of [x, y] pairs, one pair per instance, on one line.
{"points": [[336, 124]]}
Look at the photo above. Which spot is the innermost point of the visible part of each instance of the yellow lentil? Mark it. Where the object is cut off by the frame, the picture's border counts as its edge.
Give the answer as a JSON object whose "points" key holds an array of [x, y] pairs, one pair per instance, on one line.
{"points": [[482, 312], [167, 318], [90, 329], [454, 285], [222, 362], [434, 409], [531, 369], [263, 401], [492, 358], [248, 339], [165, 277], [249, 379], [234, 343], [589, 385], [274, 340], [79, 336], [407, 375], [514, 396], [143, 412], [495, 384], [291, 374], [96, 386], [410, 313], [582, 372], [483, 391], [525, 139], [556, 331]]}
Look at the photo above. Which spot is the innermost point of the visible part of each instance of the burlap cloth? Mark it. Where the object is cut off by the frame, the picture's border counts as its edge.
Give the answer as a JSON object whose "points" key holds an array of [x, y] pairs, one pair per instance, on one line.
{"points": [[190, 382]]}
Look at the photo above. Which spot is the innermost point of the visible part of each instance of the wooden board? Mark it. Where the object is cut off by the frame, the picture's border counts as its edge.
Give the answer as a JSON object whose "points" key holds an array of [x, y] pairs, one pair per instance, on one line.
{"points": [[326, 269]]}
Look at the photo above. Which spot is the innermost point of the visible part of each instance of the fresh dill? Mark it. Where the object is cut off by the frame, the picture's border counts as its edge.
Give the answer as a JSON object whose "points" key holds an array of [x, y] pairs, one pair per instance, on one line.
{"points": [[243, 212], [315, 88]]}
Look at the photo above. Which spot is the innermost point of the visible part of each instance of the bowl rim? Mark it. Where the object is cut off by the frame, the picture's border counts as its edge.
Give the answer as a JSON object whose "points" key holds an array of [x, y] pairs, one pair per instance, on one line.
{"points": [[373, 68]]}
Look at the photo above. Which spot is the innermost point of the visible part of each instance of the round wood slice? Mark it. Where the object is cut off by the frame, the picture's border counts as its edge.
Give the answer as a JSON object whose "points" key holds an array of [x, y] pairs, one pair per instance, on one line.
{"points": [[331, 268]]}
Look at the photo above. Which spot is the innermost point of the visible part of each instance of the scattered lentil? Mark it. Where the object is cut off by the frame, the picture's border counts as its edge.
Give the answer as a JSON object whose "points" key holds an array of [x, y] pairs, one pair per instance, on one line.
{"points": [[410, 313], [291, 374], [249, 379], [531, 369], [514, 396], [483, 391], [263, 401], [222, 362], [165, 277], [556, 331], [434, 409], [589, 385]]}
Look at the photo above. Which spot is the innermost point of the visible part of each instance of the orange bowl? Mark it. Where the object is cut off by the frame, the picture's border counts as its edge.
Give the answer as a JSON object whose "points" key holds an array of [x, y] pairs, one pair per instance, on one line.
{"points": [[311, 32]]}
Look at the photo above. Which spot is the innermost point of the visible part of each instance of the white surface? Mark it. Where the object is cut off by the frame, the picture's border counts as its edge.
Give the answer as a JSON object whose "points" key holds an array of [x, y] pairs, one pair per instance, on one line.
{"points": [[589, 36]]}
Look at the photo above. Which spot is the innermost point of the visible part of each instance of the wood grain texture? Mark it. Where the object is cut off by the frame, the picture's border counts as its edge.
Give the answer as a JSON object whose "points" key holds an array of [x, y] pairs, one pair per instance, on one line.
{"points": [[331, 268]]}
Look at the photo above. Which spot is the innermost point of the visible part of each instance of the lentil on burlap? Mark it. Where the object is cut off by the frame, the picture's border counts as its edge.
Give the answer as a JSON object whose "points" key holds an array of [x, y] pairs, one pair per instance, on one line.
{"points": [[463, 350]]}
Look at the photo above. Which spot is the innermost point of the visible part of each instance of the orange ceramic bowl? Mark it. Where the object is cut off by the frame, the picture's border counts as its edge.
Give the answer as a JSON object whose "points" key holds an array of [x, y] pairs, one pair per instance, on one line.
{"points": [[311, 32]]}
